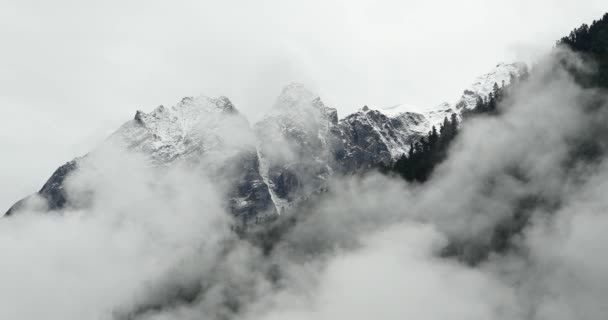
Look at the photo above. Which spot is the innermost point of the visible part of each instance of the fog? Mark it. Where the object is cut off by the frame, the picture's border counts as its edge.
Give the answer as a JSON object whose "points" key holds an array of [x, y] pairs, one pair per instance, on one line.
{"points": [[156, 243]]}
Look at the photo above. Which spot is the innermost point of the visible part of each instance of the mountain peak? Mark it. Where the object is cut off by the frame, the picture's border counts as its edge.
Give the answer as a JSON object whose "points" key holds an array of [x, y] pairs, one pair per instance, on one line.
{"points": [[481, 87], [189, 108], [294, 95], [503, 73], [224, 104], [188, 126]]}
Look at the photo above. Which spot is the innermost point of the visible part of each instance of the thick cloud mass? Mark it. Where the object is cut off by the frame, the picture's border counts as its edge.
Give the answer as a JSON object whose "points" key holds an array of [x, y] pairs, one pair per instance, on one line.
{"points": [[158, 244]]}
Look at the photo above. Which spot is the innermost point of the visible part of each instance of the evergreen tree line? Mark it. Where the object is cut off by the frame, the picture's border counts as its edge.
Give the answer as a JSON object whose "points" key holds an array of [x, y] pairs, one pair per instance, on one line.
{"points": [[592, 42], [424, 155], [418, 164], [489, 104]]}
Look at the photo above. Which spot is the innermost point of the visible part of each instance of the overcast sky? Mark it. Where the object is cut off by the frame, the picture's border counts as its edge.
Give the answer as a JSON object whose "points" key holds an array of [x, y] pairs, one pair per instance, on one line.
{"points": [[72, 71]]}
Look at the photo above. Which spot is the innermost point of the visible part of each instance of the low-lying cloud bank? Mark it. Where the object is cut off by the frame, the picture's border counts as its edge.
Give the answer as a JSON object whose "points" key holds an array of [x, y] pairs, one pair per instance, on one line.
{"points": [[512, 226]]}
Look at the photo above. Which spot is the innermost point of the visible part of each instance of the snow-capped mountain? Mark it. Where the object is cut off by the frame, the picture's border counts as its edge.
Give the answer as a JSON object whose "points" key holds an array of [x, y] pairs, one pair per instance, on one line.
{"points": [[483, 85], [188, 129], [265, 168], [368, 137], [295, 146], [502, 74], [207, 134]]}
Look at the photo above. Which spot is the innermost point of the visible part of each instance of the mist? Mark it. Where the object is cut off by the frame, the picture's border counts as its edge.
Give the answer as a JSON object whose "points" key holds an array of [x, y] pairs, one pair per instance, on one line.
{"points": [[158, 243]]}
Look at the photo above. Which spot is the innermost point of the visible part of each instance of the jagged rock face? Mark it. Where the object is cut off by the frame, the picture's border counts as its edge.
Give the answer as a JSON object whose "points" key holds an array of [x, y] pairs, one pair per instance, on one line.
{"points": [[265, 169], [301, 143], [52, 192], [248, 195], [186, 131], [368, 138], [281, 160], [294, 145], [211, 134], [208, 135]]}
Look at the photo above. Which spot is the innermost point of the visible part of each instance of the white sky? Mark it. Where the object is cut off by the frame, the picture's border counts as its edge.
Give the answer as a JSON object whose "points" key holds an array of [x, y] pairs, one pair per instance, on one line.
{"points": [[72, 71]]}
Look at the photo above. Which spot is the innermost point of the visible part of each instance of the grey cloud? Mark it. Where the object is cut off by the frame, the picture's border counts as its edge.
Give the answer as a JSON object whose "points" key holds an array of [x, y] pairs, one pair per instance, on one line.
{"points": [[158, 244]]}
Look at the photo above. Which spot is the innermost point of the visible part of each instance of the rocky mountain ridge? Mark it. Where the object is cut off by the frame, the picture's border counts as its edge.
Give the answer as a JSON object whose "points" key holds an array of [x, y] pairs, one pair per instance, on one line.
{"points": [[270, 166]]}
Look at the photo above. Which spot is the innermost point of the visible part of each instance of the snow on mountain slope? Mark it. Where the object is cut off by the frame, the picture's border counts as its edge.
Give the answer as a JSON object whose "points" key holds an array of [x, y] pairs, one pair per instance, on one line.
{"points": [[294, 145], [301, 143], [370, 137], [437, 116], [502, 74], [297, 126], [482, 86], [211, 134], [207, 134], [191, 127]]}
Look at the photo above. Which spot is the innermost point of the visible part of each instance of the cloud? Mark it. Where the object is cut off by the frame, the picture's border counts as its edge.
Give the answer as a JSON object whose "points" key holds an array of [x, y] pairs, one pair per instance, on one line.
{"points": [[139, 224], [518, 185], [395, 274], [520, 200]]}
